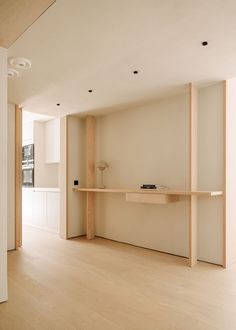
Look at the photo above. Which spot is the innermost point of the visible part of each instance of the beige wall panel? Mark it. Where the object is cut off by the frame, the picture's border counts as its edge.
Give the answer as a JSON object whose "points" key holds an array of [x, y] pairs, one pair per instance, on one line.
{"points": [[76, 170], [149, 144], [210, 172]]}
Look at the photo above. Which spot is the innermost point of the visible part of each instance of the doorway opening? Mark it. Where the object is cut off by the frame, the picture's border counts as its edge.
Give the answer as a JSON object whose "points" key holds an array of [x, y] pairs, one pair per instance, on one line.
{"points": [[40, 173]]}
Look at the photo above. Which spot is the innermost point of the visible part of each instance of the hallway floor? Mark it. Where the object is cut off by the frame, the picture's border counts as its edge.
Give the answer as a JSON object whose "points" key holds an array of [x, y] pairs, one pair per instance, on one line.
{"points": [[78, 284]]}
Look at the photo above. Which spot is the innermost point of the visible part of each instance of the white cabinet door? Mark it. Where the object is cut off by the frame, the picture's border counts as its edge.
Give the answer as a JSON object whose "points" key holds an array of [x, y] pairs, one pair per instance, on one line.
{"points": [[27, 133], [53, 211], [52, 141], [27, 205], [39, 218]]}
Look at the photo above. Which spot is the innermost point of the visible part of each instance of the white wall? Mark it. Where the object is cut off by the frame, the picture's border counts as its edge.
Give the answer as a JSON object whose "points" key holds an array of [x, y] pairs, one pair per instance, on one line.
{"points": [[11, 178], [52, 141], [3, 175], [46, 175], [145, 145], [27, 132]]}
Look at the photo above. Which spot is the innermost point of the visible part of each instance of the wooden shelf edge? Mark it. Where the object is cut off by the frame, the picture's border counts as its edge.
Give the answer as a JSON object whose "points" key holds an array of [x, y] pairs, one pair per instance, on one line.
{"points": [[152, 191]]}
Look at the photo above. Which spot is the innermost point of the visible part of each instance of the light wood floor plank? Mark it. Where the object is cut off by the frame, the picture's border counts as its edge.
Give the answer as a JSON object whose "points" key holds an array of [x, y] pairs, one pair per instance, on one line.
{"points": [[100, 284]]}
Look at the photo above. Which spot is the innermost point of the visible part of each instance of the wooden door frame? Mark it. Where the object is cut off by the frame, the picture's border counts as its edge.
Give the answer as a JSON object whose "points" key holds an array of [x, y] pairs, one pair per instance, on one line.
{"points": [[18, 177]]}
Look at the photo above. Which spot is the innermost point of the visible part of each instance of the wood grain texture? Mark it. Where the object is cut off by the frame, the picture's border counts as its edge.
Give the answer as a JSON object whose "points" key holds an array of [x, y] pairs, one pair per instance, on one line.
{"points": [[90, 215], [150, 198], [141, 191], [16, 16], [90, 150], [18, 177], [90, 174], [78, 284], [224, 232], [63, 177], [193, 174]]}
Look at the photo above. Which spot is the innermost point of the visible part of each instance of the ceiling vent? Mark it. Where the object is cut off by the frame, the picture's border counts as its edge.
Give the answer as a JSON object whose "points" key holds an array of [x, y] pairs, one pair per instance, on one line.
{"points": [[12, 73], [20, 63]]}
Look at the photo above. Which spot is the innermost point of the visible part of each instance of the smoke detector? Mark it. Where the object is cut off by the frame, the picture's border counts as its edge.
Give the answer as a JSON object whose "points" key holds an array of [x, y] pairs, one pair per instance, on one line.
{"points": [[20, 63], [12, 73]]}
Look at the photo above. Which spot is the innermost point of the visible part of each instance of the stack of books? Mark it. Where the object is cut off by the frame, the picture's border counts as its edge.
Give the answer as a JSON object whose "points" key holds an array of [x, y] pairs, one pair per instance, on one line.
{"points": [[152, 186]]}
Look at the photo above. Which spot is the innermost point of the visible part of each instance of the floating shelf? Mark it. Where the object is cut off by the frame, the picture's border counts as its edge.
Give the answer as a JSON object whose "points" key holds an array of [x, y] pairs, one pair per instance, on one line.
{"points": [[153, 191]]}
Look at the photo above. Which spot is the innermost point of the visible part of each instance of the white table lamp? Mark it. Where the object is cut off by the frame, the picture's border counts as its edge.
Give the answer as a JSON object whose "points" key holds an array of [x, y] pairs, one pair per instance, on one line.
{"points": [[102, 166]]}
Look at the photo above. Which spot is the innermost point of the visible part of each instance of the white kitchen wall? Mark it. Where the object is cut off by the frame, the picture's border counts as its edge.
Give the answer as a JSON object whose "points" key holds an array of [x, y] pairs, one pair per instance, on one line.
{"points": [[46, 175], [52, 141], [27, 132]]}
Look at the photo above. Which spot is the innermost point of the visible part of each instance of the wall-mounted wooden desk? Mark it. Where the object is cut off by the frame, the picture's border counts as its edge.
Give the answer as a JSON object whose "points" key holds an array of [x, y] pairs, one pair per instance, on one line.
{"points": [[151, 196]]}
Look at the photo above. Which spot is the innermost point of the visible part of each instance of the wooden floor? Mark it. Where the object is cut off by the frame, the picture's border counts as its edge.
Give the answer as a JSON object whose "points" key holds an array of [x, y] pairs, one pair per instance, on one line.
{"points": [[78, 284]]}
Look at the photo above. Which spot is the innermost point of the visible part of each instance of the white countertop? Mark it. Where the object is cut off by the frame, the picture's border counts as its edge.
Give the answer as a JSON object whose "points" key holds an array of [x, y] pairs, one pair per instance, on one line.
{"points": [[42, 189]]}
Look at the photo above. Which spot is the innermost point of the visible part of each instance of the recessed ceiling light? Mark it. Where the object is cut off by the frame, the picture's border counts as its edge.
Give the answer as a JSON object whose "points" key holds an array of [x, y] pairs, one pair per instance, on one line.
{"points": [[90, 90], [205, 43], [12, 73], [19, 63], [135, 72]]}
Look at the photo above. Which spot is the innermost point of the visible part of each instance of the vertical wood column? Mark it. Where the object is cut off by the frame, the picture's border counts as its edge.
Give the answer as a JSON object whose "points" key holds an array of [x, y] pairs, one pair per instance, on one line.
{"points": [[63, 177], [18, 177], [192, 175], [229, 209], [90, 175], [3, 175], [225, 213]]}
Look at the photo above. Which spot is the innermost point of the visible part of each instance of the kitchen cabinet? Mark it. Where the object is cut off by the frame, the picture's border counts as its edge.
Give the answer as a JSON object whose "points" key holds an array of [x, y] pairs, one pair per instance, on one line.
{"points": [[41, 208]]}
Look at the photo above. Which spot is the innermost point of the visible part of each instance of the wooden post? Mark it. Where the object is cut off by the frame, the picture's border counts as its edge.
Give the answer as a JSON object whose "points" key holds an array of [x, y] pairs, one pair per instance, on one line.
{"points": [[18, 177], [192, 175], [90, 175], [229, 174], [63, 177]]}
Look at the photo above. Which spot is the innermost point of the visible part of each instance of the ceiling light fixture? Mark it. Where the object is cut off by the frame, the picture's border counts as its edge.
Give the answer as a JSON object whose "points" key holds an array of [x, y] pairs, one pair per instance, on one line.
{"points": [[205, 43], [20, 63], [12, 73]]}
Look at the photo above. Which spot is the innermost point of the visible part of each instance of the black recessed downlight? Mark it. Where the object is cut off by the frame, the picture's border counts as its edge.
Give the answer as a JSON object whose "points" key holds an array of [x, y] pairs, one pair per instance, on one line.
{"points": [[58, 104], [204, 43], [135, 72], [90, 90]]}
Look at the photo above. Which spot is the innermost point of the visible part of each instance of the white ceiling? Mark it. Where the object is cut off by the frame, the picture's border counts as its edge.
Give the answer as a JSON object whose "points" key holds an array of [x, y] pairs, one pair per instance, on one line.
{"points": [[77, 45], [16, 16]]}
